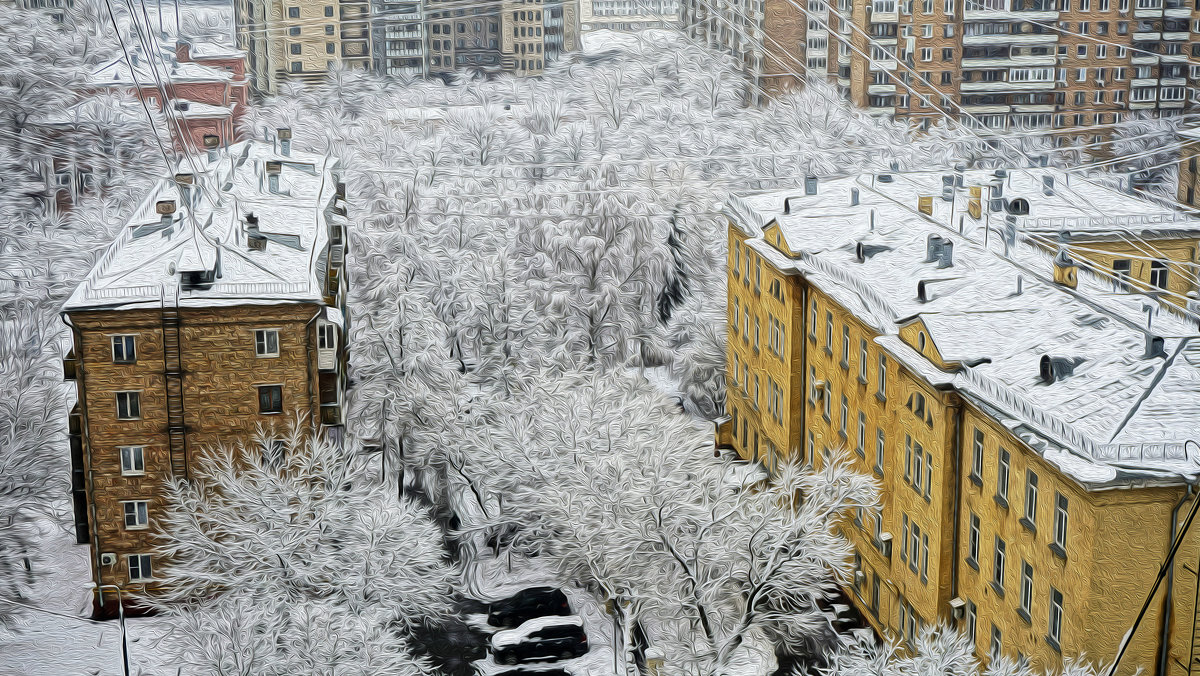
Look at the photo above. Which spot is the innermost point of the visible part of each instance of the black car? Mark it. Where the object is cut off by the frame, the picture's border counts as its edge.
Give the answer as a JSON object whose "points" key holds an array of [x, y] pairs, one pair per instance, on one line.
{"points": [[528, 604], [539, 639]]}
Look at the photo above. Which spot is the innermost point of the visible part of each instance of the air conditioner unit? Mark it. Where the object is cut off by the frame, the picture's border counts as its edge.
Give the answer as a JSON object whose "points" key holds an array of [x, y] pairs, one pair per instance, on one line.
{"points": [[957, 605], [860, 577], [108, 559], [885, 544]]}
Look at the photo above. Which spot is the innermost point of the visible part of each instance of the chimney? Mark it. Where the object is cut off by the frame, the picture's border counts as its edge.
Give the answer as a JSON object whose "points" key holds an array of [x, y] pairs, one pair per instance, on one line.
{"points": [[1047, 185], [211, 143], [1065, 271], [933, 248], [183, 51], [947, 258], [959, 170], [787, 207], [133, 58], [1154, 346], [273, 169], [872, 220], [853, 197], [186, 184], [810, 185], [285, 141], [166, 210], [922, 293]]}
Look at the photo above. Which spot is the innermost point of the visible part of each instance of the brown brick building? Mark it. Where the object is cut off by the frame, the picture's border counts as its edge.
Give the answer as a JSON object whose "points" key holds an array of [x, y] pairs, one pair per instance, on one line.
{"points": [[220, 310], [1005, 63]]}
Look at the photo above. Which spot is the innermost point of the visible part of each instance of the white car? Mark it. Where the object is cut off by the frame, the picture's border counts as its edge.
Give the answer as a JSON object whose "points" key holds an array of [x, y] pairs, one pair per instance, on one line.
{"points": [[549, 637]]}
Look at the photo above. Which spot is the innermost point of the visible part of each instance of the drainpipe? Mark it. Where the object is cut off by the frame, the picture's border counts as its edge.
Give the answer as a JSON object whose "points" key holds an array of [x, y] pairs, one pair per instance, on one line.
{"points": [[80, 388], [803, 363], [956, 444], [1164, 631], [309, 358]]}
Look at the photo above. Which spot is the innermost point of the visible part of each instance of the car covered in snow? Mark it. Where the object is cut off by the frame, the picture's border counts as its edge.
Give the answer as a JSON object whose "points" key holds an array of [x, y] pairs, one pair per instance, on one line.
{"points": [[528, 604], [549, 637]]}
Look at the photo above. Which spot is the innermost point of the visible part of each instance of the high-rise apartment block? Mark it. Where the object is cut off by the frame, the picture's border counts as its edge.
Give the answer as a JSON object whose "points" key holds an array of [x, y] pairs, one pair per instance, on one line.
{"points": [[302, 41], [628, 15], [997, 64], [218, 311], [1027, 402]]}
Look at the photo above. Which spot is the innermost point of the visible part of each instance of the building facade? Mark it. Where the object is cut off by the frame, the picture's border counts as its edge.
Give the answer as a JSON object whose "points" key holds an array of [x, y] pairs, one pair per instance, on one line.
{"points": [[628, 15], [1189, 173], [218, 312], [302, 42], [997, 64], [1026, 412]]}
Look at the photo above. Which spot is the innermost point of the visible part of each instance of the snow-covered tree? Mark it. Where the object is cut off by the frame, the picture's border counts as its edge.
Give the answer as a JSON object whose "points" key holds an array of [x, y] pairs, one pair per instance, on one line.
{"points": [[290, 546]]}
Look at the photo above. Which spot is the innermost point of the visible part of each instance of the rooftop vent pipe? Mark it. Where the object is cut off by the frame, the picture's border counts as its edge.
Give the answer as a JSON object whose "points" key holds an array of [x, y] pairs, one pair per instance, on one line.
{"points": [[810, 185], [1047, 185], [947, 258], [933, 248], [273, 169], [166, 210], [211, 143], [922, 292], [285, 141], [853, 197]]}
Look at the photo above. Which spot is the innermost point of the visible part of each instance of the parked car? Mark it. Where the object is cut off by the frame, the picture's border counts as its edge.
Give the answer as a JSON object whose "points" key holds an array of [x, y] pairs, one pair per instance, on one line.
{"points": [[550, 637], [528, 604]]}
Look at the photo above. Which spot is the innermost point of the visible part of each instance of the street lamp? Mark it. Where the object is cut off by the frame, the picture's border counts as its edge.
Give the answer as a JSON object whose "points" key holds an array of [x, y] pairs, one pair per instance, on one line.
{"points": [[121, 617]]}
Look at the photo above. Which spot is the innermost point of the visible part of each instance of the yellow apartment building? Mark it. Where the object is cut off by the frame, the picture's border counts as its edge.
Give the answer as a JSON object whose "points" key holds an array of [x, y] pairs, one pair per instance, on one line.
{"points": [[1026, 414]]}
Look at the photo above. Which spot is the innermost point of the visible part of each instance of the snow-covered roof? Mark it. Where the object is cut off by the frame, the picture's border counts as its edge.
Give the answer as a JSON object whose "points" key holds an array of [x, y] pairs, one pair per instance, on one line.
{"points": [[213, 50], [195, 110], [142, 266], [89, 110], [513, 636], [1118, 413], [118, 73]]}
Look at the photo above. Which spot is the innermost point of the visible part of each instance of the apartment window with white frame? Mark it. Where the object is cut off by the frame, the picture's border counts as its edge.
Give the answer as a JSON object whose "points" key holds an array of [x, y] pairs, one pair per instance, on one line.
{"points": [[862, 359], [927, 54], [845, 414], [1060, 524], [948, 7], [862, 434], [973, 542], [1171, 94], [133, 460], [880, 445], [998, 566], [1054, 633], [1004, 459], [927, 30], [124, 349], [994, 650], [1026, 592], [970, 620], [829, 332], [140, 569], [977, 456], [266, 342], [1101, 51], [1031, 496], [129, 405], [136, 514], [845, 346], [326, 336], [881, 391]]}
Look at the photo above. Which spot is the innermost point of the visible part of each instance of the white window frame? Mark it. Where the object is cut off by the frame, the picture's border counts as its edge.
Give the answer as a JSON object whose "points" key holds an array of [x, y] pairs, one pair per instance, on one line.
{"points": [[143, 561], [1026, 601], [133, 460], [1061, 505], [127, 340], [136, 397], [326, 336], [999, 561], [262, 343], [1031, 496], [1054, 630], [139, 510], [1003, 471]]}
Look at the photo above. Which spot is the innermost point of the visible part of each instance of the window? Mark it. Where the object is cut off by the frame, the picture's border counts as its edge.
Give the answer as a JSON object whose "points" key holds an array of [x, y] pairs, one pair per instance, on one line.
{"points": [[973, 542], [977, 458], [946, 75], [294, 48], [827, 397], [1031, 494], [757, 274], [326, 336], [862, 359], [294, 30], [998, 567], [136, 516], [812, 329], [1026, 591], [994, 649], [882, 391], [1059, 546], [924, 557], [970, 620], [1056, 616], [139, 567], [1002, 471], [329, 31], [293, 12], [129, 405], [297, 67], [879, 446], [330, 48], [926, 54], [862, 434], [916, 404], [123, 350], [1158, 274], [1121, 270], [270, 399], [1081, 51], [829, 332], [737, 259], [133, 460], [266, 343], [811, 449], [845, 346], [329, 11], [756, 332], [947, 55], [908, 458]]}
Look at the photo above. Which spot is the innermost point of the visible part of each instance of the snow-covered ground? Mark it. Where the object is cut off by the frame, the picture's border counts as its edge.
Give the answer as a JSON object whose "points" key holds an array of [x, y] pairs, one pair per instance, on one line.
{"points": [[75, 645], [491, 579]]}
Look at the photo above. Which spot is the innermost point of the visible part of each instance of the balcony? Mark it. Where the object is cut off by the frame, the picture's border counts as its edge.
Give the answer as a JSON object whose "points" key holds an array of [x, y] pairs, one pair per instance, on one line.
{"points": [[1010, 39], [881, 89], [1009, 15], [1007, 86], [70, 366], [1008, 61]]}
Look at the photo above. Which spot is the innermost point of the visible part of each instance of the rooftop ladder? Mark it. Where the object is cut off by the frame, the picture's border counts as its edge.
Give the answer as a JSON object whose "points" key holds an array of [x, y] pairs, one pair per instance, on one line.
{"points": [[173, 373]]}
